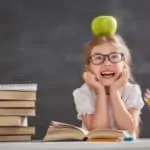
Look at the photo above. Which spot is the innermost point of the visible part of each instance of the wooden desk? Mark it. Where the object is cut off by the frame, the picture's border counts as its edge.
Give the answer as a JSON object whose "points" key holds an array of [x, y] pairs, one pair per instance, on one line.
{"points": [[143, 144]]}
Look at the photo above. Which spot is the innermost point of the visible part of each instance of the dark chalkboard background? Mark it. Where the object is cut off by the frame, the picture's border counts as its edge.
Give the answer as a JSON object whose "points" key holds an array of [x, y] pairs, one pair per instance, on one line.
{"points": [[41, 42]]}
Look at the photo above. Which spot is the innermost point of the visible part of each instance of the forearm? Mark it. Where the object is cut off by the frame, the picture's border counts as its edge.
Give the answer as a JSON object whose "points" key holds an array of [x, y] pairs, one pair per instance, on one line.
{"points": [[100, 117], [123, 118]]}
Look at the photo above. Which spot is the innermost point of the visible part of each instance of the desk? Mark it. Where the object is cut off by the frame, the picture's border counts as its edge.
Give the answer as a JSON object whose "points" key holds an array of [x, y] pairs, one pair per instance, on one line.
{"points": [[143, 144]]}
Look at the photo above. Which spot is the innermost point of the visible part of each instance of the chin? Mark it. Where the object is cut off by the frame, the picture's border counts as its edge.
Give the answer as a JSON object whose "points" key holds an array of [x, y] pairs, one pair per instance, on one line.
{"points": [[107, 82]]}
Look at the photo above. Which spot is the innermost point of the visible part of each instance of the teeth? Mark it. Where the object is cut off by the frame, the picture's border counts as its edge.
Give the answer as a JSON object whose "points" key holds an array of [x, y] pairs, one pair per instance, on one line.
{"points": [[107, 72]]}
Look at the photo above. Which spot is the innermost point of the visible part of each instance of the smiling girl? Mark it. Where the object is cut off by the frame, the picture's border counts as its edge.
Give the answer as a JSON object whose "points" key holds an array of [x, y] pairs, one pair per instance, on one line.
{"points": [[109, 97]]}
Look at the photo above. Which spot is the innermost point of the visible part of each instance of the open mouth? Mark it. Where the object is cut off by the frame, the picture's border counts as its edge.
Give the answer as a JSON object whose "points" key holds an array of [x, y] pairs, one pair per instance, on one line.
{"points": [[107, 74]]}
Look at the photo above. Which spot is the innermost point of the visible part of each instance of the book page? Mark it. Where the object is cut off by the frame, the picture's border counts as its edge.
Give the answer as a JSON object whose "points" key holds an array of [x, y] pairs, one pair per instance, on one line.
{"points": [[106, 133], [63, 134], [63, 125], [18, 87]]}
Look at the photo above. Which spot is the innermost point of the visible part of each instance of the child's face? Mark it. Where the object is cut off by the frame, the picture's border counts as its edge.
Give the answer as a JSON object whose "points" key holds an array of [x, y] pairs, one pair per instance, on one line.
{"points": [[108, 70]]}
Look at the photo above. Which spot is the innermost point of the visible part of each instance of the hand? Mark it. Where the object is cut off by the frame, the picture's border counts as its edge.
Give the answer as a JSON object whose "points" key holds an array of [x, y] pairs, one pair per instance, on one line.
{"points": [[122, 80], [93, 82]]}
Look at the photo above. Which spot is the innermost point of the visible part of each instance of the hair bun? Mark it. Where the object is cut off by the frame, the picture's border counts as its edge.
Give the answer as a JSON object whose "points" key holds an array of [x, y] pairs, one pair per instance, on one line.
{"points": [[104, 25]]}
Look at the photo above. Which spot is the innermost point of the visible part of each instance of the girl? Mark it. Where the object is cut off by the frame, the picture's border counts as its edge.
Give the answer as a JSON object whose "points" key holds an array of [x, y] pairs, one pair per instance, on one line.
{"points": [[109, 98]]}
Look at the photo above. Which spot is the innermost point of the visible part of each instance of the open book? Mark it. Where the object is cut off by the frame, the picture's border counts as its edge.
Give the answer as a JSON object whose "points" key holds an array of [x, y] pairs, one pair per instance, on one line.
{"points": [[59, 131]]}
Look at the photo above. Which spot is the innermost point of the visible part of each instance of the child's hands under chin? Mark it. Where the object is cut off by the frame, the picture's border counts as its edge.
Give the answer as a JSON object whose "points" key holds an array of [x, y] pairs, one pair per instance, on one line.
{"points": [[93, 82], [122, 80]]}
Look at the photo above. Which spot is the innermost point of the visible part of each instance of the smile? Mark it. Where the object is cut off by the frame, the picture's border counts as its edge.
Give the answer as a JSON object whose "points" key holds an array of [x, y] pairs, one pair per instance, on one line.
{"points": [[107, 75]]}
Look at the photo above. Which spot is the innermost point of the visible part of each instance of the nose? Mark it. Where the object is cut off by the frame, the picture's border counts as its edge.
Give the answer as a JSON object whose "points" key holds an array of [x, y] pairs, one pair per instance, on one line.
{"points": [[107, 62]]}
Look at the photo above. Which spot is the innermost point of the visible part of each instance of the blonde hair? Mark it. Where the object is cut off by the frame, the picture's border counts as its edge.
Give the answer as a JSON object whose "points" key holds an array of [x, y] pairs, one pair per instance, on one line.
{"points": [[117, 42]]}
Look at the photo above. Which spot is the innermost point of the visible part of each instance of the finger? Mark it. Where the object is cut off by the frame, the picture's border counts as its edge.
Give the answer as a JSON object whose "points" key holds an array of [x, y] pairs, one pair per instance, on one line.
{"points": [[100, 81], [125, 75], [90, 78], [92, 73], [123, 78], [84, 76], [125, 72]]}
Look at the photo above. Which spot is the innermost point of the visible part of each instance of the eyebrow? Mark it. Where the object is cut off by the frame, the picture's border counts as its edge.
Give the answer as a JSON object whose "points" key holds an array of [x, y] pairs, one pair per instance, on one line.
{"points": [[97, 54], [103, 54]]}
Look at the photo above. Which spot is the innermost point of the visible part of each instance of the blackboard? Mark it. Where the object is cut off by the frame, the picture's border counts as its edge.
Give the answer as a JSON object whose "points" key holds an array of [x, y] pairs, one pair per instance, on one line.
{"points": [[41, 42]]}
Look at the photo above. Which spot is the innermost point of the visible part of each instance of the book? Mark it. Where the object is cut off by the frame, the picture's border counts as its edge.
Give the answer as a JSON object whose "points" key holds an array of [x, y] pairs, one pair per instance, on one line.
{"points": [[59, 131], [18, 91], [17, 112], [17, 104], [17, 130], [13, 121], [15, 138], [17, 95], [18, 87]]}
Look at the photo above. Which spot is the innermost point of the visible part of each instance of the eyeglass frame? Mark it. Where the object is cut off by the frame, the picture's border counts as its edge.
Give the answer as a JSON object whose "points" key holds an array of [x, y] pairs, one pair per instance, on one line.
{"points": [[107, 56]]}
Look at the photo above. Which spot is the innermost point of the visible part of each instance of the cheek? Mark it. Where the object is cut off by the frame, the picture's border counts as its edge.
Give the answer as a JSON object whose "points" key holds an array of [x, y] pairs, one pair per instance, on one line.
{"points": [[119, 67], [95, 69]]}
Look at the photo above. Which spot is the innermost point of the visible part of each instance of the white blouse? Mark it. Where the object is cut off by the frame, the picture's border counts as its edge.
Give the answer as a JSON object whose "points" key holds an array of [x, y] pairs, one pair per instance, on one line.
{"points": [[84, 99]]}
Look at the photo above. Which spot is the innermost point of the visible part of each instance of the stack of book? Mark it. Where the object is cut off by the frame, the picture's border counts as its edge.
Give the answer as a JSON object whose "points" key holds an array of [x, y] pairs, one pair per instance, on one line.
{"points": [[17, 103]]}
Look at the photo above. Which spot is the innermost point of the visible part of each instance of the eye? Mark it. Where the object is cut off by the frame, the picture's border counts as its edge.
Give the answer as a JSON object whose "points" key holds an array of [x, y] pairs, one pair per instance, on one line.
{"points": [[97, 59], [116, 57]]}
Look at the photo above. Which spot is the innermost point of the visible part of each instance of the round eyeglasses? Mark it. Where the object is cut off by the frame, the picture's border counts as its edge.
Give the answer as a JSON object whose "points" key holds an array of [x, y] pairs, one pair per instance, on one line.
{"points": [[98, 58]]}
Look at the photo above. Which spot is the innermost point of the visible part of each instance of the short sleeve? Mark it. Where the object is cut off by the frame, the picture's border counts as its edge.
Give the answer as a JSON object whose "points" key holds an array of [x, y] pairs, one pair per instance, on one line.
{"points": [[134, 98], [83, 101]]}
